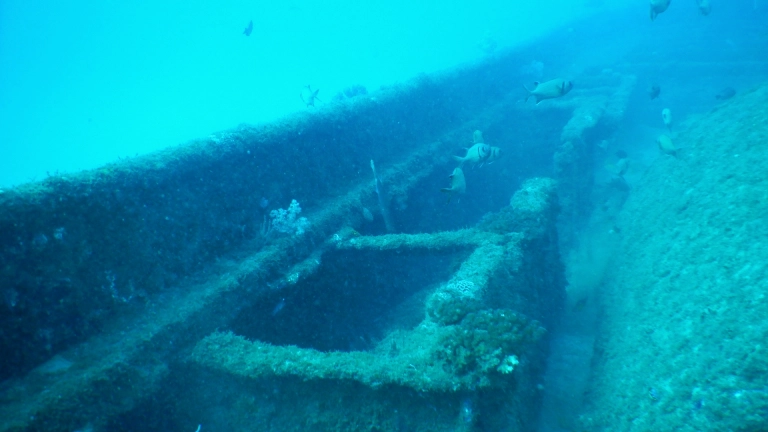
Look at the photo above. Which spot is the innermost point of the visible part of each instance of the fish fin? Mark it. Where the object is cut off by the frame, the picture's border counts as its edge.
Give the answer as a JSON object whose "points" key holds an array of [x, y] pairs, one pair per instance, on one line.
{"points": [[446, 190], [529, 93]]}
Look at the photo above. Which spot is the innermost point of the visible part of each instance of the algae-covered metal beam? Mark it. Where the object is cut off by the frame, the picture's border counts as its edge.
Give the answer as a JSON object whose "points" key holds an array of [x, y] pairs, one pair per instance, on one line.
{"points": [[67, 392], [150, 255], [252, 359], [436, 241], [82, 244], [469, 339]]}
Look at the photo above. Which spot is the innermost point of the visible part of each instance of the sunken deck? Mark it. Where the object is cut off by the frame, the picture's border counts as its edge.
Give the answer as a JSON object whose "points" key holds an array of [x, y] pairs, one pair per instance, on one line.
{"points": [[135, 293], [461, 349]]}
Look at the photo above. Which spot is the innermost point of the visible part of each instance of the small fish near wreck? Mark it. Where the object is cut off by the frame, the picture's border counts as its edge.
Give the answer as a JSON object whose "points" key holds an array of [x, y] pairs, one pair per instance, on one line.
{"points": [[249, 29], [620, 167], [477, 154], [705, 7], [549, 89], [309, 96], [657, 7], [666, 145], [458, 183], [654, 91], [726, 93], [666, 116], [480, 152]]}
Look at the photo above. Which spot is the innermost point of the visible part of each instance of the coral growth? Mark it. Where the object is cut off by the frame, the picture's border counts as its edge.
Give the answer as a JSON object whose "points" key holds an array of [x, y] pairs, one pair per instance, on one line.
{"points": [[486, 342], [287, 221], [452, 302]]}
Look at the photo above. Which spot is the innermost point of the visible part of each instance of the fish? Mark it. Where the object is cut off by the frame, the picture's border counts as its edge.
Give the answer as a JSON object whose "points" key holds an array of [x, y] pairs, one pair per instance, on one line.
{"points": [[580, 304], [477, 137], [249, 29], [705, 7], [654, 91], [549, 89], [621, 166], [666, 115], [726, 93], [311, 96], [620, 184], [496, 153], [479, 145], [666, 145], [458, 183], [657, 7], [367, 215], [477, 154], [278, 307]]}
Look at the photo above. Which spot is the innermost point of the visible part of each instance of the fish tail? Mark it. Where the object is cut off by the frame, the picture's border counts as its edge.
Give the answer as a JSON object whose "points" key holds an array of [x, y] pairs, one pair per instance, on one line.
{"points": [[529, 93], [459, 159]]}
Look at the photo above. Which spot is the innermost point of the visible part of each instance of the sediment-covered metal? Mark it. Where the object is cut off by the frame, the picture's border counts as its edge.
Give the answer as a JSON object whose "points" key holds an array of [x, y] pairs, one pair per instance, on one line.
{"points": [[449, 239], [108, 275], [474, 334], [189, 311]]}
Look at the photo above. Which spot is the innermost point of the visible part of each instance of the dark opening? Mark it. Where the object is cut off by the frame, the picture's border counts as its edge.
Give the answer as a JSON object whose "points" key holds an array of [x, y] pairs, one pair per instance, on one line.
{"points": [[346, 305]]}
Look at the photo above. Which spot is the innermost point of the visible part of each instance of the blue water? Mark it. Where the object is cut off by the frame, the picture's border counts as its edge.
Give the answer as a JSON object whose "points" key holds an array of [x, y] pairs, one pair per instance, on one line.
{"points": [[87, 82]]}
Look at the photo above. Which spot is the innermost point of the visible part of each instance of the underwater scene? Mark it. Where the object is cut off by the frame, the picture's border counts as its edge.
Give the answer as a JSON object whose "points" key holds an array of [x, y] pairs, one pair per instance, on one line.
{"points": [[334, 216]]}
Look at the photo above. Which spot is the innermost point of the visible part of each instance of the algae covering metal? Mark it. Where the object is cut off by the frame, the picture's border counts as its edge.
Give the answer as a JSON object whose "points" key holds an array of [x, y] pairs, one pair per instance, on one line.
{"points": [[462, 345], [683, 335], [476, 338], [117, 282]]}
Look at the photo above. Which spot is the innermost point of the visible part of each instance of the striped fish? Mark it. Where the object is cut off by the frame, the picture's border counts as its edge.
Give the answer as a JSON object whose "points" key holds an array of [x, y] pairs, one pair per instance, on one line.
{"points": [[476, 154], [495, 154]]}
